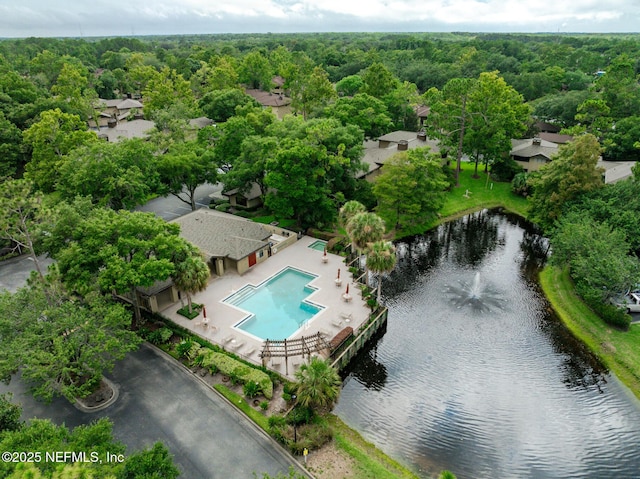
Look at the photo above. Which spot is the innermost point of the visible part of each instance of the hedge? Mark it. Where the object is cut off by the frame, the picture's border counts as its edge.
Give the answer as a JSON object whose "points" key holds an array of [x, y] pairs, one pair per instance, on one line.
{"points": [[231, 367]]}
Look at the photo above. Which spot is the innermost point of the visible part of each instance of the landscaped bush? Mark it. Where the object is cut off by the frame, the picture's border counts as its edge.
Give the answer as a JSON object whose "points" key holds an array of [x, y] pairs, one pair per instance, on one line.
{"points": [[609, 313], [244, 214], [159, 336], [239, 371], [251, 389], [224, 207], [195, 352], [165, 334], [195, 311], [310, 437], [184, 347]]}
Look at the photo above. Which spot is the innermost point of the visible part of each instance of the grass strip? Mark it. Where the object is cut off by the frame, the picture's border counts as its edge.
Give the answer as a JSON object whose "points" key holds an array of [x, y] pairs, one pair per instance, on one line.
{"points": [[370, 462], [239, 401], [618, 350]]}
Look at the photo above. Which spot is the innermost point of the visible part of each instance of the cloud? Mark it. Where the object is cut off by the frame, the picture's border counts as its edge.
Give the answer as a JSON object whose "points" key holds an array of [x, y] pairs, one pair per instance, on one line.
{"points": [[124, 17]]}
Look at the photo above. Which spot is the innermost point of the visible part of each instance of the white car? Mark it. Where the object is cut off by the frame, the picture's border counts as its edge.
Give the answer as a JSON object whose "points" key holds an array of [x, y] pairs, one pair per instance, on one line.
{"points": [[630, 302]]}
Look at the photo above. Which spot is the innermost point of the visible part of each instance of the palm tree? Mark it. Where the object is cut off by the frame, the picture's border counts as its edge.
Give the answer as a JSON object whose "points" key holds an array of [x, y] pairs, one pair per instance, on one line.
{"points": [[318, 384], [365, 228], [191, 275], [349, 210], [381, 258]]}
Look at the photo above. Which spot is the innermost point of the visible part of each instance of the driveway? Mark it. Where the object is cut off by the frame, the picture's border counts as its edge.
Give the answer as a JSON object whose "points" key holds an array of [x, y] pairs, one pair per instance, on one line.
{"points": [[169, 207], [161, 401]]}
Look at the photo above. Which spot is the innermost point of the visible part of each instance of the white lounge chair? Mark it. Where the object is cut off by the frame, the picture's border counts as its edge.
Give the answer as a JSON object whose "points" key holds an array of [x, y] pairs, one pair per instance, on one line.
{"points": [[346, 316]]}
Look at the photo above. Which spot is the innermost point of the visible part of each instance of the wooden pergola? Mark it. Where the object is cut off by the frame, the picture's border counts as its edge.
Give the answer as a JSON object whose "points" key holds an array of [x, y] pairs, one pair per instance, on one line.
{"points": [[286, 348]]}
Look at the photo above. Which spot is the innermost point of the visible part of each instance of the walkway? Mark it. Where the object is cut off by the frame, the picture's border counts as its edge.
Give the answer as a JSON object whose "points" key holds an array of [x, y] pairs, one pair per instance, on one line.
{"points": [[161, 401]]}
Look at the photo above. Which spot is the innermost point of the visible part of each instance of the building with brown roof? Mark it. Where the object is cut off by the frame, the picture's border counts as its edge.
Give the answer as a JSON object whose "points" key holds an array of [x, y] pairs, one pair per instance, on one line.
{"points": [[230, 242], [532, 153], [377, 152], [278, 102]]}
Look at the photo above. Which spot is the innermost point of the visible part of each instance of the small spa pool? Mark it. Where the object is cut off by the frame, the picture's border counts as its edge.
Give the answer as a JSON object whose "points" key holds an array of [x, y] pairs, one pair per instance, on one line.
{"points": [[318, 245]]}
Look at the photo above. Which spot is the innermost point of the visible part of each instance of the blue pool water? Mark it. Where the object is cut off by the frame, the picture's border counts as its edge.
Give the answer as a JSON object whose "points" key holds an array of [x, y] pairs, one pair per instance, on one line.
{"points": [[277, 307], [318, 245]]}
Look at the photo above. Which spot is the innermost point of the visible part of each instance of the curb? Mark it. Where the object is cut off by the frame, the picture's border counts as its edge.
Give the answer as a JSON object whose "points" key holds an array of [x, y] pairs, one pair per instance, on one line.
{"points": [[237, 411], [91, 409]]}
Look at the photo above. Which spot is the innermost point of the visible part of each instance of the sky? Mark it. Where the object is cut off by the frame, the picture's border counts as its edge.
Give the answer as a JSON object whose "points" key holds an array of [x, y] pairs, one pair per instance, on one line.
{"points": [[86, 18]]}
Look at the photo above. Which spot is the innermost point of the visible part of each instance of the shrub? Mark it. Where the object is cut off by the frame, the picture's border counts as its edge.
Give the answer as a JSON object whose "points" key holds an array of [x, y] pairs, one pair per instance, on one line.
{"points": [[609, 313], [184, 347], [154, 337], [165, 334], [505, 170], [300, 415], [613, 315], [276, 421], [251, 389], [9, 414], [195, 311], [238, 371], [520, 185], [264, 405], [224, 207], [194, 351], [310, 436]]}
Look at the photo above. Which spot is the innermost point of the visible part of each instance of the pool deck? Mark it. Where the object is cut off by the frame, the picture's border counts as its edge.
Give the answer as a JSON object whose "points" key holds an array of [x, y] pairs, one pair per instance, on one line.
{"points": [[336, 315]]}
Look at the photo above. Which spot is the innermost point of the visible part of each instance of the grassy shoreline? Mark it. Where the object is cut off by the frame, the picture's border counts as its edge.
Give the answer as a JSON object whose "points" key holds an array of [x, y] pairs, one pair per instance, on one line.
{"points": [[618, 350]]}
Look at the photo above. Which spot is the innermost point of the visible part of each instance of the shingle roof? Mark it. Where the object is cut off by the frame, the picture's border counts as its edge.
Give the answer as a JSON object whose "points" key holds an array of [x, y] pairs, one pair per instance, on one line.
{"points": [[220, 235], [128, 129], [556, 138], [253, 193], [528, 148], [374, 156], [266, 98], [201, 122]]}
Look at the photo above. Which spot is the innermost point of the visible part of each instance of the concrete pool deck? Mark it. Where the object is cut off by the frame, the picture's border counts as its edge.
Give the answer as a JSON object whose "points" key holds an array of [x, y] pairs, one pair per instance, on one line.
{"points": [[336, 315]]}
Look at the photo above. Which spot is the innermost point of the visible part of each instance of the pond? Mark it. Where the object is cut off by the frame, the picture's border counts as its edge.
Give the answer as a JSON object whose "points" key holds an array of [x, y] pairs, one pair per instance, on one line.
{"points": [[475, 374]]}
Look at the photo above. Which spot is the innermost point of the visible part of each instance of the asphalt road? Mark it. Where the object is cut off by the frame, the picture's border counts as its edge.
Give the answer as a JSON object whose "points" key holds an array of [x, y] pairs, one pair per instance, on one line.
{"points": [[169, 207], [162, 401]]}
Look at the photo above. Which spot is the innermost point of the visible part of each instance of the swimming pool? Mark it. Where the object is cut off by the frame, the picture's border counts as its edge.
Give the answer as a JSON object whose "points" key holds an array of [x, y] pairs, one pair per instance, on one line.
{"points": [[277, 307], [318, 245]]}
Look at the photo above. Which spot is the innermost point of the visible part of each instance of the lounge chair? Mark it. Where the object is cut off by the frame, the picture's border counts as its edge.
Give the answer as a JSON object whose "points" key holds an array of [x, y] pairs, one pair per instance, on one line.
{"points": [[346, 316]]}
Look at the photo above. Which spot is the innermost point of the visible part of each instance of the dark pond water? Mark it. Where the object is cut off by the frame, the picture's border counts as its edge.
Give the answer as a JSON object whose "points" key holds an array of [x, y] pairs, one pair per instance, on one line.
{"points": [[476, 375]]}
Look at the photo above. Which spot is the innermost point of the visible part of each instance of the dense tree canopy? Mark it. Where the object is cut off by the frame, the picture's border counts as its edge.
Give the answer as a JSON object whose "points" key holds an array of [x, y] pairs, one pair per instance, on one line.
{"points": [[42, 436], [51, 139], [573, 171], [120, 251], [411, 188]]}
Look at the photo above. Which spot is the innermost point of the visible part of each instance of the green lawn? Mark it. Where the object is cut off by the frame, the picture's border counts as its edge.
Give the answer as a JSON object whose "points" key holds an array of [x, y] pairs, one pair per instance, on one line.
{"points": [[618, 350], [481, 194]]}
